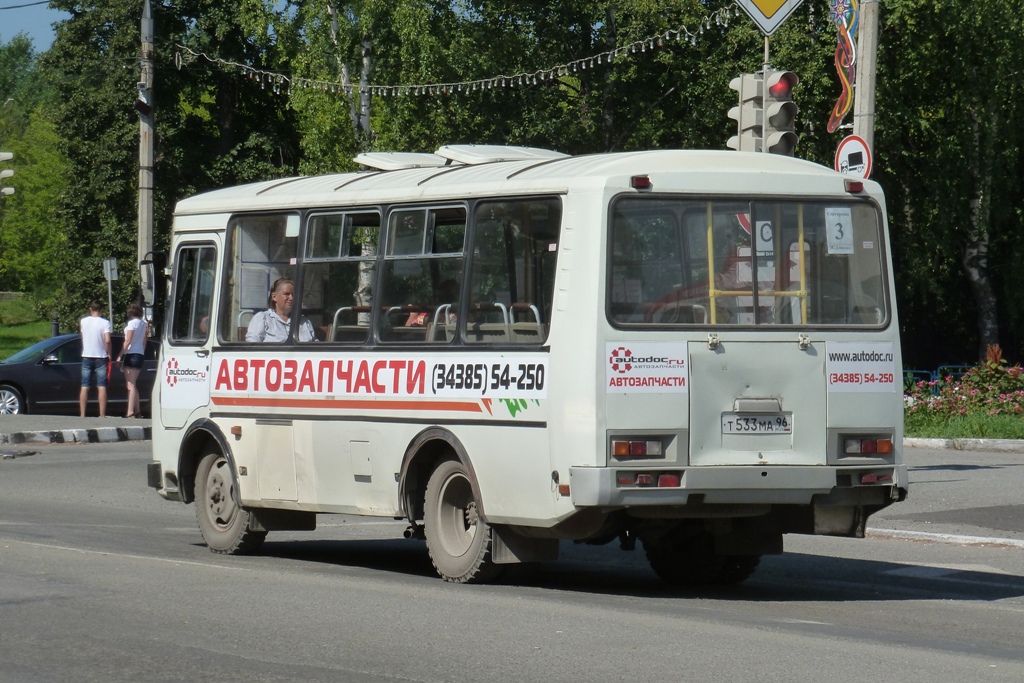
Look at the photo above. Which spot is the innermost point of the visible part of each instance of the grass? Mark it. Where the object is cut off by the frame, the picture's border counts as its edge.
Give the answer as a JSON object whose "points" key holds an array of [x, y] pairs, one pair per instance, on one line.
{"points": [[971, 426], [14, 338], [20, 326]]}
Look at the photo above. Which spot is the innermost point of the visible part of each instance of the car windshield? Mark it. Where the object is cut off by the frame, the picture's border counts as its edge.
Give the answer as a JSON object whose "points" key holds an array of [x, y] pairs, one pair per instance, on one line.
{"points": [[29, 353]]}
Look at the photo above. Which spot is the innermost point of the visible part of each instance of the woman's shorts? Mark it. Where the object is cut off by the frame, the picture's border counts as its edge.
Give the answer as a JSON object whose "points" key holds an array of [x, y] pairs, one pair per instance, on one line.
{"points": [[133, 360], [94, 367]]}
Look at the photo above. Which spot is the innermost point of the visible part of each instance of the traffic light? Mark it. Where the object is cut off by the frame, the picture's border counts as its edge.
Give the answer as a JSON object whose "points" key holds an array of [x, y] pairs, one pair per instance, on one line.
{"points": [[780, 112], [748, 114], [6, 173]]}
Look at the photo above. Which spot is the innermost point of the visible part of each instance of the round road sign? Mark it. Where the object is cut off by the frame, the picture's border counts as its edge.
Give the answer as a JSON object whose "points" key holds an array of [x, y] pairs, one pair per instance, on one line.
{"points": [[853, 157]]}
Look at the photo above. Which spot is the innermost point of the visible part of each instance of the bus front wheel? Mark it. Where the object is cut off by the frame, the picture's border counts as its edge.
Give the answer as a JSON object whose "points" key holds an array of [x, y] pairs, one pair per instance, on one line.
{"points": [[458, 540], [223, 523], [693, 561]]}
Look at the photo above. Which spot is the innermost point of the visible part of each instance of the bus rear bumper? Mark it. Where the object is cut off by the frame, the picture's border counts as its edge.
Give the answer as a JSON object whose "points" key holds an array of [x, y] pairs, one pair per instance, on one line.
{"points": [[788, 485]]}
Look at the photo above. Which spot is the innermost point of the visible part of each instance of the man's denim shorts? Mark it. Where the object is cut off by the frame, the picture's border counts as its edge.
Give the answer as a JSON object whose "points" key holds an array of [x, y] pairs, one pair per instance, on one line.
{"points": [[94, 367]]}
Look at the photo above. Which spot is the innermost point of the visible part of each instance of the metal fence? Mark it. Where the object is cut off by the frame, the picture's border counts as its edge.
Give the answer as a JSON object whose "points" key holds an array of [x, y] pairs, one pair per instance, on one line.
{"points": [[936, 377]]}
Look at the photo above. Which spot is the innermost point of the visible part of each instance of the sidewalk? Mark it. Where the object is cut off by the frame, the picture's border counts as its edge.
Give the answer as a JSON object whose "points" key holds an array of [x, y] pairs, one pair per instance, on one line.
{"points": [[43, 429]]}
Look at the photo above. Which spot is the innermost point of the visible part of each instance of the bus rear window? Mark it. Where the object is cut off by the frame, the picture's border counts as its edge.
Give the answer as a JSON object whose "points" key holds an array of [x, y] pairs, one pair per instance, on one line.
{"points": [[721, 262]]}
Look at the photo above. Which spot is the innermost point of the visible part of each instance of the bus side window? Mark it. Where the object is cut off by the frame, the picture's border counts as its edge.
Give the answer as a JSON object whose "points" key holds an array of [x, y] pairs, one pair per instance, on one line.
{"points": [[515, 247], [339, 271], [422, 275], [193, 293], [260, 249]]}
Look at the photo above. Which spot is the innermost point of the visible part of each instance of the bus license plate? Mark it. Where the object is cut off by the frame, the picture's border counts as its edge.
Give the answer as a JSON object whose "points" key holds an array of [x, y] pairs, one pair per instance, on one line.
{"points": [[759, 423]]}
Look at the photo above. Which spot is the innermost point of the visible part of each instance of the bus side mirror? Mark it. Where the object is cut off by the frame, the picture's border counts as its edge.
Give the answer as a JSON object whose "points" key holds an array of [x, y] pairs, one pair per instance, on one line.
{"points": [[147, 283], [151, 279]]}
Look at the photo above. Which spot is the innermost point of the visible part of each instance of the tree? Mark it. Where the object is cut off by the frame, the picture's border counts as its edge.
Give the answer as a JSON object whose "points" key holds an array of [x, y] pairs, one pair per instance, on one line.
{"points": [[214, 126], [950, 154], [29, 236]]}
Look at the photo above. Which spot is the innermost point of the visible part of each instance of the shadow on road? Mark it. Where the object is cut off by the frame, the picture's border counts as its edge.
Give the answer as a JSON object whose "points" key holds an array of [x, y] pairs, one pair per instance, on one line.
{"points": [[791, 577]]}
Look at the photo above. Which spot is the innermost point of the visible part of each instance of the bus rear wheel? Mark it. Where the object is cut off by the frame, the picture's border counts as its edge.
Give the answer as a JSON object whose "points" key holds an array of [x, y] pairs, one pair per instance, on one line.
{"points": [[458, 540], [694, 562], [223, 523]]}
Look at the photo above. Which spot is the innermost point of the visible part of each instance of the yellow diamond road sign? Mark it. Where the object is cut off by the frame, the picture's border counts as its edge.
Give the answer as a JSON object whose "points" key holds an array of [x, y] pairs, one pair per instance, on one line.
{"points": [[768, 14]]}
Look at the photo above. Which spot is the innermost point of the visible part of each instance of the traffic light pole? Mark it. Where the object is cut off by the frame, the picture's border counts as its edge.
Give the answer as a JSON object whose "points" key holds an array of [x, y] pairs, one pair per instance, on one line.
{"points": [[867, 59], [146, 132]]}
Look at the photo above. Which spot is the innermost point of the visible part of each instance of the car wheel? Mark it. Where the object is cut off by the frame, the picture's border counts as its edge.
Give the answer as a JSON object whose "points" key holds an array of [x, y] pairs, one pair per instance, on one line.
{"points": [[11, 401]]}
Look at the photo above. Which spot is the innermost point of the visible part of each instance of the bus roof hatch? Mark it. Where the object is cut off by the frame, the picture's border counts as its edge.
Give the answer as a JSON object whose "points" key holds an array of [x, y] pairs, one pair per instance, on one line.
{"points": [[484, 154], [394, 161]]}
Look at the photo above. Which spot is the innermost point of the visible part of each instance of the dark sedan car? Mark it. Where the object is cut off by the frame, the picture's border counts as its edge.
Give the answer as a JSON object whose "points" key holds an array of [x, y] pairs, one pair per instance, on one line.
{"points": [[46, 378]]}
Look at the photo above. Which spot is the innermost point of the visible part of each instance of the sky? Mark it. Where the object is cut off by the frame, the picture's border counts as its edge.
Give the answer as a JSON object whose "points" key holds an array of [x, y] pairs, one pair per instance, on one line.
{"points": [[34, 20]]}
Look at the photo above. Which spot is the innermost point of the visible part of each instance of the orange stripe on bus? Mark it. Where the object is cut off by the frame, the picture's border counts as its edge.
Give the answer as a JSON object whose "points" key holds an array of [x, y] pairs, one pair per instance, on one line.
{"points": [[343, 403]]}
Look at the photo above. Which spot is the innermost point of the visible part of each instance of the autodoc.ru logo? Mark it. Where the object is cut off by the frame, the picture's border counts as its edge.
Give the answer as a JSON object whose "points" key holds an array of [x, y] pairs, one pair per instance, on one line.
{"points": [[621, 360], [174, 373]]}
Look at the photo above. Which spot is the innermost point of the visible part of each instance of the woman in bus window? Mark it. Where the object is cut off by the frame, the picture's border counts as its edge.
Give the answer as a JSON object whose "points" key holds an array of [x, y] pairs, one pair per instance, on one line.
{"points": [[273, 324]]}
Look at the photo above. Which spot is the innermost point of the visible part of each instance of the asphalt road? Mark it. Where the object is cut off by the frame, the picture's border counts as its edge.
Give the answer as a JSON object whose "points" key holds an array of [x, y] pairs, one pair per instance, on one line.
{"points": [[100, 580]]}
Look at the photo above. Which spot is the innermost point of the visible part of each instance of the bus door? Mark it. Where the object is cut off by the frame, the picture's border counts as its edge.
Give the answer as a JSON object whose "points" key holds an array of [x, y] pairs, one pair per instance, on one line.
{"points": [[757, 403], [185, 363]]}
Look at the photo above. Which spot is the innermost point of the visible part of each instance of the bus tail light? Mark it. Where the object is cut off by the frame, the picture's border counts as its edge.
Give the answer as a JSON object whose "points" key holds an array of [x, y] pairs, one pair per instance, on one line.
{"points": [[856, 446], [662, 480], [641, 182], [637, 449], [669, 481], [872, 478]]}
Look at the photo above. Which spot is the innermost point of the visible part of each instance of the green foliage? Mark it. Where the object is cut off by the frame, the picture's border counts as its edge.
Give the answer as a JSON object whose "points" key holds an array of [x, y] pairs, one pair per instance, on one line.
{"points": [[30, 237], [948, 135]]}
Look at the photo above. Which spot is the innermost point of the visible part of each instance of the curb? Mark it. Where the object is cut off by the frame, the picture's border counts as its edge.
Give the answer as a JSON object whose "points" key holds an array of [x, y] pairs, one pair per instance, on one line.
{"points": [[995, 445], [97, 435]]}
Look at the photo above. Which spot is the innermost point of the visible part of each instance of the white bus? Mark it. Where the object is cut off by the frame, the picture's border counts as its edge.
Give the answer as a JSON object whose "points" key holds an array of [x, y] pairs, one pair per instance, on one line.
{"points": [[510, 347]]}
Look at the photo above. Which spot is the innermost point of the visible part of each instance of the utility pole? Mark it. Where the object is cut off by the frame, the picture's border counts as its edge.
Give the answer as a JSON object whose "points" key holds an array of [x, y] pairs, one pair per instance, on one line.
{"points": [[867, 59], [144, 105]]}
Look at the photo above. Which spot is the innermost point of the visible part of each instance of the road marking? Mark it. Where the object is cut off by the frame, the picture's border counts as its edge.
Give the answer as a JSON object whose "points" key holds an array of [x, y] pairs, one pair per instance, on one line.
{"points": [[83, 551], [938, 571], [946, 538]]}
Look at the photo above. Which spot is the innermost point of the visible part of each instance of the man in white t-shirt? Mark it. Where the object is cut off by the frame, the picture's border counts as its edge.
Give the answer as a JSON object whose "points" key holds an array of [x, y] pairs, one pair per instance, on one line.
{"points": [[95, 331]]}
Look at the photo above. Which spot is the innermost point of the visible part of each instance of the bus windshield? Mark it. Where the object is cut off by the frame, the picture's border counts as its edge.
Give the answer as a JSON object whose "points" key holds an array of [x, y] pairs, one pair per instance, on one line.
{"points": [[727, 262]]}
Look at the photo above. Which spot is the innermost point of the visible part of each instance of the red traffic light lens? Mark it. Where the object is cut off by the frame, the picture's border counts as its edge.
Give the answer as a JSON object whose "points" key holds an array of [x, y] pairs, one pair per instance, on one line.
{"points": [[781, 89]]}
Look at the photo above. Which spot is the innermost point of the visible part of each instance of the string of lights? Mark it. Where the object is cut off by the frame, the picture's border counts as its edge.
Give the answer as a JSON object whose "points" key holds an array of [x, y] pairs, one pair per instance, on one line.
{"points": [[280, 82]]}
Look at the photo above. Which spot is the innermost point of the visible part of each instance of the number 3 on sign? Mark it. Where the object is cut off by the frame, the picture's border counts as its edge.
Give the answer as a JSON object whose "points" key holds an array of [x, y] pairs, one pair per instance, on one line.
{"points": [[839, 227]]}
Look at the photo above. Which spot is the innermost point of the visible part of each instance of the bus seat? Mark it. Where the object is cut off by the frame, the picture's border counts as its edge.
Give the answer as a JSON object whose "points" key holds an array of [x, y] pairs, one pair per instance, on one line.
{"points": [[529, 330], [242, 321], [346, 324], [441, 327], [487, 332], [679, 312], [488, 322]]}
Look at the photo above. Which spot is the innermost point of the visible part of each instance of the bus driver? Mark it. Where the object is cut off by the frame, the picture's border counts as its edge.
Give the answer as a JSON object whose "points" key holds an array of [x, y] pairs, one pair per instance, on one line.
{"points": [[272, 325]]}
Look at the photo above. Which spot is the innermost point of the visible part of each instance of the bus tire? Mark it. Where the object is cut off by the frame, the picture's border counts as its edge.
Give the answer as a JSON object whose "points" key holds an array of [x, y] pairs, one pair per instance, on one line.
{"points": [[458, 540], [694, 562], [223, 523]]}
